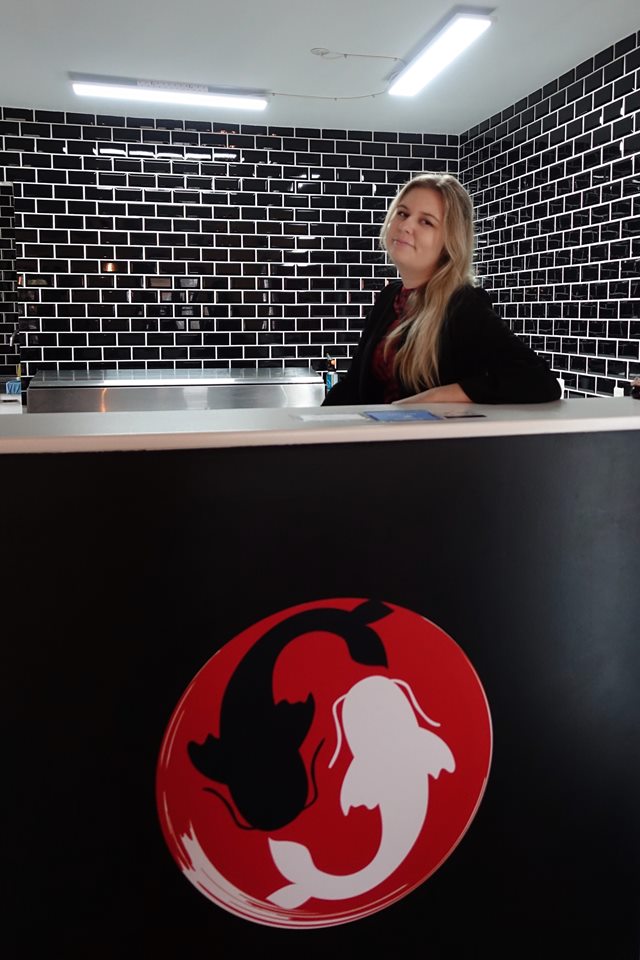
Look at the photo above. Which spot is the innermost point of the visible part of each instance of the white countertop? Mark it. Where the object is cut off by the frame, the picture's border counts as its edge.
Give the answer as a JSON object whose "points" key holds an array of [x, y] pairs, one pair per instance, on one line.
{"points": [[184, 429]]}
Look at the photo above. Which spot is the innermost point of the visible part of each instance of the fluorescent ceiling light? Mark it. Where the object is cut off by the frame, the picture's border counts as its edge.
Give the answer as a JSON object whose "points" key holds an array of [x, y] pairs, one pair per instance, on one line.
{"points": [[458, 33], [151, 91]]}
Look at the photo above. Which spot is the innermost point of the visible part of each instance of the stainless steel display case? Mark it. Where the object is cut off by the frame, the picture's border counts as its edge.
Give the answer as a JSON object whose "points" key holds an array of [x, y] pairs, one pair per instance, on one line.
{"points": [[120, 390]]}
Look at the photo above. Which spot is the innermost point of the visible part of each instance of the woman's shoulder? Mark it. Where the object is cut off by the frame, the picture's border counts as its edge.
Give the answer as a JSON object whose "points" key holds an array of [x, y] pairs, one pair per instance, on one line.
{"points": [[471, 314], [469, 296]]}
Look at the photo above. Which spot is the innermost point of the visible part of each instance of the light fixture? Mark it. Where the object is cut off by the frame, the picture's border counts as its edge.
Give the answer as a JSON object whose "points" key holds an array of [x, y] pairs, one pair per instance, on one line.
{"points": [[159, 91], [454, 35]]}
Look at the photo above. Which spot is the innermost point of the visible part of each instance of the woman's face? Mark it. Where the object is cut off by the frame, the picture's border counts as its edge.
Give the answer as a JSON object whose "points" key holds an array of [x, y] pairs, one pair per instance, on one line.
{"points": [[415, 238]]}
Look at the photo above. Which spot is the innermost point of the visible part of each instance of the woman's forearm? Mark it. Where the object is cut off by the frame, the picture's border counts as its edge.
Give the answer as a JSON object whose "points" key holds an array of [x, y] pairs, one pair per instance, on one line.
{"points": [[449, 393]]}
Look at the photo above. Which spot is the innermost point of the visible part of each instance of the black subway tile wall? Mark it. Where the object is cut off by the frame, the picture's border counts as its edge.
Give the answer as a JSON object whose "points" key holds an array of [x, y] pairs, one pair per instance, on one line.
{"points": [[164, 243], [556, 183], [8, 306]]}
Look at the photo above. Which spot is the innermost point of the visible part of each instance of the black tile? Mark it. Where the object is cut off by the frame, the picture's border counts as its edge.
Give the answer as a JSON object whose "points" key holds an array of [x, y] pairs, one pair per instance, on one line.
{"points": [[614, 70]]}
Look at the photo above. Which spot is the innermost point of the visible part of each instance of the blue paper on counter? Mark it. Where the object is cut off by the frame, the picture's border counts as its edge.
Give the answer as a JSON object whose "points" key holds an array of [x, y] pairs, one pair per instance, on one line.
{"points": [[398, 415]]}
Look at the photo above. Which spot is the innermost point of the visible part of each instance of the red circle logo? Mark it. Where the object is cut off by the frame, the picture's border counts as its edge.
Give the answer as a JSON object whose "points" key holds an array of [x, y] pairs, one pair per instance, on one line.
{"points": [[324, 763]]}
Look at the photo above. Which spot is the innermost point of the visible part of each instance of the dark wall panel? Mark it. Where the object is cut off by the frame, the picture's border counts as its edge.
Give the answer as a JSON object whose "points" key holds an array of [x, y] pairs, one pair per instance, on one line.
{"points": [[556, 180], [233, 245], [8, 306], [522, 549]]}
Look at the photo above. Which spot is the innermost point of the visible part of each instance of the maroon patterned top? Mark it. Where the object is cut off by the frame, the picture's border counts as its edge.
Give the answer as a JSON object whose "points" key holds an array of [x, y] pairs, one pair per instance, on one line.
{"points": [[382, 366]]}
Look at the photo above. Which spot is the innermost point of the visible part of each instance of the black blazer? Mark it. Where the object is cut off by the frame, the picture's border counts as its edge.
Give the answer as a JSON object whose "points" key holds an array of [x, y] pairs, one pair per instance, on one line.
{"points": [[477, 350]]}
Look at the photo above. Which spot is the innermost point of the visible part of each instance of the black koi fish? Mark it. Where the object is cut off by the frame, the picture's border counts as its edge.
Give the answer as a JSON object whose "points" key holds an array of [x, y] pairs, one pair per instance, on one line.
{"points": [[257, 753]]}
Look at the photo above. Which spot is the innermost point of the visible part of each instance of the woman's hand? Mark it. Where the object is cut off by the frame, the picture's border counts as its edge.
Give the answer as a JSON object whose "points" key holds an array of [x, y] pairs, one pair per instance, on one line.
{"points": [[450, 393]]}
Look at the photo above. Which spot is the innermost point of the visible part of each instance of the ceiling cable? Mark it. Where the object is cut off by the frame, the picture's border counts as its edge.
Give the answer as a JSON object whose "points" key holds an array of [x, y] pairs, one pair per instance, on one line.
{"points": [[317, 96], [335, 55]]}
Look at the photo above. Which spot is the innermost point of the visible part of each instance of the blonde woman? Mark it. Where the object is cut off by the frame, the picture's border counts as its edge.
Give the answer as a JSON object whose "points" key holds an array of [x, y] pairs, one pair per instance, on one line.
{"points": [[433, 336]]}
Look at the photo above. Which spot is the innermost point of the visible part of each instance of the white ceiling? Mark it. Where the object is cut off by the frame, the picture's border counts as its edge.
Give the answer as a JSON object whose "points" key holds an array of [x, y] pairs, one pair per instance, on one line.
{"points": [[266, 44]]}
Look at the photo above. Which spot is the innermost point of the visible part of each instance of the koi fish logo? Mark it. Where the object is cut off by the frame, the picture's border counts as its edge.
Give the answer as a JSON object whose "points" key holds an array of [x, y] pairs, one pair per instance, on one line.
{"points": [[393, 759], [301, 780], [257, 753]]}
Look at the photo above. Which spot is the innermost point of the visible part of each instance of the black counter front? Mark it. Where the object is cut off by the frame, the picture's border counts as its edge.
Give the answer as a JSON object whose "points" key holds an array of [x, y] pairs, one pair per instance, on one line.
{"points": [[137, 566]]}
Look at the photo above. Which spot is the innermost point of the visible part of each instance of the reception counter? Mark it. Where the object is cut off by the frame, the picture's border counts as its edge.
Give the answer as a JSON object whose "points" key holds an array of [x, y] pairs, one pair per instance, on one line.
{"points": [[464, 588], [86, 432]]}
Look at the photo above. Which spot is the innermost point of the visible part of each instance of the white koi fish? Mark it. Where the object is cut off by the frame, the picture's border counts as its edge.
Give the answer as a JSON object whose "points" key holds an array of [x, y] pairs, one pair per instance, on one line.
{"points": [[393, 758]]}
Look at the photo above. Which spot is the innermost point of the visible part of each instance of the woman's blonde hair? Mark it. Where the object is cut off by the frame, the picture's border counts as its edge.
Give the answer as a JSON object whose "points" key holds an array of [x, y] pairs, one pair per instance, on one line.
{"points": [[416, 362]]}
